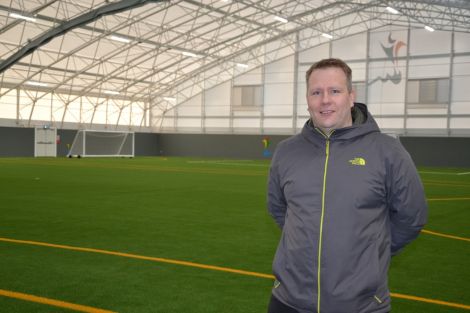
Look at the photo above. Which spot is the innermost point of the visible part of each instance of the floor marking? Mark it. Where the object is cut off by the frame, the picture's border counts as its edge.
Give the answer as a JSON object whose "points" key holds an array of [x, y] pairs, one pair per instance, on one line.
{"points": [[444, 235], [141, 257], [444, 173], [51, 302], [231, 162], [157, 168], [216, 161], [242, 164], [445, 184], [438, 173], [445, 303], [449, 199], [209, 267]]}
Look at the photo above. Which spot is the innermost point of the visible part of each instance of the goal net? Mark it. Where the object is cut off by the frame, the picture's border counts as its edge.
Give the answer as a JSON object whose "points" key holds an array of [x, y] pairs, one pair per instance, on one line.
{"points": [[91, 143]]}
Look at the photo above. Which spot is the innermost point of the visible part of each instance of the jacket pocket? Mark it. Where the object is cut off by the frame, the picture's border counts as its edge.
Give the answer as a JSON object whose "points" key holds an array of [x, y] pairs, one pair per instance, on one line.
{"points": [[372, 273]]}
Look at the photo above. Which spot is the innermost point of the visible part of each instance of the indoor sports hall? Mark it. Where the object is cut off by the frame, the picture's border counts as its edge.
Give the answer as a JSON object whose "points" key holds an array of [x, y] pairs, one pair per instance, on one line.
{"points": [[136, 139]]}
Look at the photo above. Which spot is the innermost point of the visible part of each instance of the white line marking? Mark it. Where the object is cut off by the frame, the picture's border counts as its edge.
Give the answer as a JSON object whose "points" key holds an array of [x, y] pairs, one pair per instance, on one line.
{"points": [[466, 173], [238, 163], [215, 161], [242, 164]]}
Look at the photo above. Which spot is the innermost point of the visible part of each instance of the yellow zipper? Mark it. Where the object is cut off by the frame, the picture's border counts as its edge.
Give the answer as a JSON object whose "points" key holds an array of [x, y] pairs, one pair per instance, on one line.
{"points": [[327, 137]]}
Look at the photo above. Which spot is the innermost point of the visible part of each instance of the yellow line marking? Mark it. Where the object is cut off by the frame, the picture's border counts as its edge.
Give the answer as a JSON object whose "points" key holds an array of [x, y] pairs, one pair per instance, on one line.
{"points": [[444, 235], [141, 257], [445, 303], [449, 199], [209, 267], [51, 302]]}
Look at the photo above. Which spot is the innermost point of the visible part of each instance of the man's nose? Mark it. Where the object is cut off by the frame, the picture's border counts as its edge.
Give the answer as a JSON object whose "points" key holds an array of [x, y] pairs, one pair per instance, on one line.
{"points": [[325, 97]]}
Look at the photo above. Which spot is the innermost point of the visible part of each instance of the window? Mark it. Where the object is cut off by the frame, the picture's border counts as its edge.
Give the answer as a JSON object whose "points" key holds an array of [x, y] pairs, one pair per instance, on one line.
{"points": [[428, 91], [247, 97]]}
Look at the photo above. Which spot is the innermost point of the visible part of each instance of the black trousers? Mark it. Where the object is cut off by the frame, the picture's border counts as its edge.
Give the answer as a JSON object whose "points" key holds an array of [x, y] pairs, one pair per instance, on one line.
{"points": [[276, 306]]}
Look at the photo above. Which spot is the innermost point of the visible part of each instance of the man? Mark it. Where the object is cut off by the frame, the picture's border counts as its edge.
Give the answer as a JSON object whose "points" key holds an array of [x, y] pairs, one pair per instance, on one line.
{"points": [[346, 198]]}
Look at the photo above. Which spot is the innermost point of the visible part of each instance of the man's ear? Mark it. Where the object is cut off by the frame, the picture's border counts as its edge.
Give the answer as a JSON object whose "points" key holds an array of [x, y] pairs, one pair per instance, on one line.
{"points": [[352, 96]]}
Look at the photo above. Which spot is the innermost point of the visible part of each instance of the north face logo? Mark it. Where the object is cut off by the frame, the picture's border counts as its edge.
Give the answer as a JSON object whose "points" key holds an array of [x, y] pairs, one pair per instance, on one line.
{"points": [[358, 161]]}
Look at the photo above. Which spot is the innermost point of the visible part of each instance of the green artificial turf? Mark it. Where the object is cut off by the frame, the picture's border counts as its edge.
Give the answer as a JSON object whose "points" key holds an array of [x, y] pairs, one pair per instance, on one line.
{"points": [[210, 212]]}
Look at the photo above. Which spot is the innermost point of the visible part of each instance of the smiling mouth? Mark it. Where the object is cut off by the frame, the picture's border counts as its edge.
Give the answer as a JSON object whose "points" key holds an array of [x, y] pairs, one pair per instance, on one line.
{"points": [[326, 112]]}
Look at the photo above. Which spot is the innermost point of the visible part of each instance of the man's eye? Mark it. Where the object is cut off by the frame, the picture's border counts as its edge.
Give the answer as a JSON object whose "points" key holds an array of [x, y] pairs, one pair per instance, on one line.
{"points": [[315, 93], [334, 91]]}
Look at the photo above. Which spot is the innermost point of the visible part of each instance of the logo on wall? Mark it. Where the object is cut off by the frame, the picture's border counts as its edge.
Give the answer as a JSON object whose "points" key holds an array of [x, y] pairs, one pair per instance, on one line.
{"points": [[391, 50], [266, 142]]}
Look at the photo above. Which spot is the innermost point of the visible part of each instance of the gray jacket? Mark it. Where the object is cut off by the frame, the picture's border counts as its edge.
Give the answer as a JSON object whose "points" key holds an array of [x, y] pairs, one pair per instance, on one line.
{"points": [[345, 204]]}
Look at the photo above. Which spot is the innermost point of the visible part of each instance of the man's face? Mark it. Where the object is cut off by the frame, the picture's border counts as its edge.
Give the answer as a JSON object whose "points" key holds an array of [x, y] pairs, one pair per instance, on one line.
{"points": [[329, 101]]}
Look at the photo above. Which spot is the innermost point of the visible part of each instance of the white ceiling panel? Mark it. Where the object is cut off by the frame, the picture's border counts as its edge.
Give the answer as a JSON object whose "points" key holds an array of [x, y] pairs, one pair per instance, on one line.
{"points": [[214, 34]]}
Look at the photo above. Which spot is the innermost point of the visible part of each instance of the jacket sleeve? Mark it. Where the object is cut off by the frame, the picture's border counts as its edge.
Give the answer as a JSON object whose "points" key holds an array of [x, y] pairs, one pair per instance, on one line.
{"points": [[277, 206], [406, 200]]}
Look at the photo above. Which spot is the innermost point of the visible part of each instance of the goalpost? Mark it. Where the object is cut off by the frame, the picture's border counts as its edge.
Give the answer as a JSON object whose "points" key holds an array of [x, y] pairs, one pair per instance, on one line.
{"points": [[93, 143]]}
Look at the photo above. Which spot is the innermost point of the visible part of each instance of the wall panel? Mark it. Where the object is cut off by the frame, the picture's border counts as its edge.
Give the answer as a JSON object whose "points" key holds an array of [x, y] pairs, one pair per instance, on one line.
{"points": [[350, 48], [429, 68], [217, 100], [315, 54], [423, 42], [461, 42]]}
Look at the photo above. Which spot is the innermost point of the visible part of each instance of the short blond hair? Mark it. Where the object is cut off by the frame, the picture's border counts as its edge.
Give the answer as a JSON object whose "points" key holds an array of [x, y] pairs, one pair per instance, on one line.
{"points": [[332, 62]]}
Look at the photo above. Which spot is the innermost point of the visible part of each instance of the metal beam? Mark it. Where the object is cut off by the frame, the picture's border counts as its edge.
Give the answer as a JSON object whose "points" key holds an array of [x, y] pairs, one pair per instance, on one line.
{"points": [[78, 21]]}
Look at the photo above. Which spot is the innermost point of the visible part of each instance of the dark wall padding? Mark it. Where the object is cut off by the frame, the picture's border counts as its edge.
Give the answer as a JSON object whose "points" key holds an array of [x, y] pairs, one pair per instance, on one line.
{"points": [[16, 142], [66, 139], [425, 151], [216, 146], [438, 151], [146, 144]]}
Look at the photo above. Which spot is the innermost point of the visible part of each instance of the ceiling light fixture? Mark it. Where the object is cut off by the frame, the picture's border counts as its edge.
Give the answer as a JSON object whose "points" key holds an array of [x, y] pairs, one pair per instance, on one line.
{"points": [[120, 39], [280, 19], [392, 10], [111, 92], [189, 54], [428, 28], [169, 99], [242, 65], [22, 17], [38, 84], [327, 36]]}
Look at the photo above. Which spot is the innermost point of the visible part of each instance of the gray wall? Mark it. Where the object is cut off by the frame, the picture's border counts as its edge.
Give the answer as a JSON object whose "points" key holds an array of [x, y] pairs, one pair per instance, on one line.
{"points": [[16, 141], [215, 146], [146, 144], [19, 142], [66, 138], [438, 151], [425, 151]]}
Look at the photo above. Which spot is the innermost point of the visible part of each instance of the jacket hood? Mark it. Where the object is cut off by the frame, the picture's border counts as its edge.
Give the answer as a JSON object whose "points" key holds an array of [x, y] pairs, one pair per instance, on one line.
{"points": [[363, 123]]}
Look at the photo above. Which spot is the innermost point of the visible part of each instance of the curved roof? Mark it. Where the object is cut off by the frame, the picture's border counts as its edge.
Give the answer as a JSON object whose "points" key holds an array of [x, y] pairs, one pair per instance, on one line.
{"points": [[146, 51]]}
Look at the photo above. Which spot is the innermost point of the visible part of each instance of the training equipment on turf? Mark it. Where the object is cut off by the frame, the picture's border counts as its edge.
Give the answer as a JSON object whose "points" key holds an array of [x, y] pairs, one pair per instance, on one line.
{"points": [[92, 143]]}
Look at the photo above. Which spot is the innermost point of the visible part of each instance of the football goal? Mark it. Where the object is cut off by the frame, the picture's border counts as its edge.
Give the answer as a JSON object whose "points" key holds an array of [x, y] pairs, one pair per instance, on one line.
{"points": [[92, 143]]}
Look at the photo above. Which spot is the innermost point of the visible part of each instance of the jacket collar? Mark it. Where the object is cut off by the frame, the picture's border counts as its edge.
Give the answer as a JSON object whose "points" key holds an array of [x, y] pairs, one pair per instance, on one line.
{"points": [[363, 123]]}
